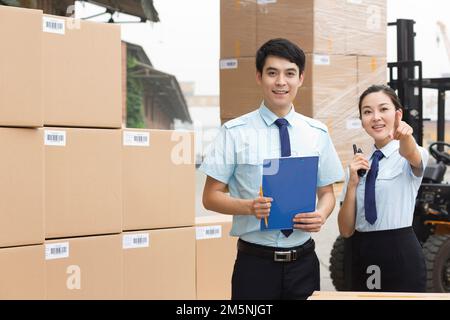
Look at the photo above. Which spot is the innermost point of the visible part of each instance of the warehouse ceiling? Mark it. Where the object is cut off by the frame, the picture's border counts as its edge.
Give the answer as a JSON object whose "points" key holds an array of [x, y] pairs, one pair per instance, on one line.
{"points": [[143, 9]]}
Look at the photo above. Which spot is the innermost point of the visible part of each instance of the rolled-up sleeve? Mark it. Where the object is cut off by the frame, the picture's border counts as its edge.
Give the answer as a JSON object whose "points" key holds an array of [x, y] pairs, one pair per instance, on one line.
{"points": [[425, 157]]}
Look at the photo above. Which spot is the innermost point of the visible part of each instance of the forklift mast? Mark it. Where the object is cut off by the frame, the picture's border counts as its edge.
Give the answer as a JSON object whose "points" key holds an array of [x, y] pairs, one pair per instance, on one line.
{"points": [[407, 79], [408, 82]]}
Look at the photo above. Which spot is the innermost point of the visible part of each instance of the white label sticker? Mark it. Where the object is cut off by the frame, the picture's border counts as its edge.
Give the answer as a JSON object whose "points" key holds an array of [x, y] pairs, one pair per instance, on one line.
{"points": [[355, 1], [208, 232], [320, 59], [137, 240], [228, 64], [55, 138], [354, 123], [53, 25], [56, 251], [137, 139], [266, 1]]}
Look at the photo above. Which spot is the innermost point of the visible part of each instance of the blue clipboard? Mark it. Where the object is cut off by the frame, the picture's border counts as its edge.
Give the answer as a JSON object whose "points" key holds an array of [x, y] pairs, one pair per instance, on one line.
{"points": [[291, 182]]}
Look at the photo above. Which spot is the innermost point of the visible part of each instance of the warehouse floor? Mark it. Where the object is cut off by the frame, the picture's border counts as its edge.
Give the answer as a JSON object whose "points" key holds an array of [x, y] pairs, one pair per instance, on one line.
{"points": [[324, 239]]}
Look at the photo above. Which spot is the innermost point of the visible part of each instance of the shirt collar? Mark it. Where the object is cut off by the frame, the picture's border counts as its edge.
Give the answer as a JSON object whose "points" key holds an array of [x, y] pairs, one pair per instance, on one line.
{"points": [[388, 149], [269, 117]]}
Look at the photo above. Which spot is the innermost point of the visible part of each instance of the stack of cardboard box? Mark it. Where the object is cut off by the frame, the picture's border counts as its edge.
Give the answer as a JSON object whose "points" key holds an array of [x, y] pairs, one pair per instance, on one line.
{"points": [[83, 169], [216, 253], [89, 210], [22, 161], [158, 214], [345, 46]]}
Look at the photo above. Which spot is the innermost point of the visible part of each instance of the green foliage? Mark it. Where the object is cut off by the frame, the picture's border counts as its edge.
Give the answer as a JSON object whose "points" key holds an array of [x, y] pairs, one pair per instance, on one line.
{"points": [[135, 114]]}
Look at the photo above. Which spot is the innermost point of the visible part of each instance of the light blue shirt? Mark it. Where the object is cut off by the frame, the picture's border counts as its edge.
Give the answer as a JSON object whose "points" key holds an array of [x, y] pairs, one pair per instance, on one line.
{"points": [[236, 157], [396, 190]]}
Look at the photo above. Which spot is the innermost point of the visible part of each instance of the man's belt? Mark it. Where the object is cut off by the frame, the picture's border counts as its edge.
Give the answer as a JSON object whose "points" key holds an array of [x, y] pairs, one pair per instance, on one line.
{"points": [[276, 254]]}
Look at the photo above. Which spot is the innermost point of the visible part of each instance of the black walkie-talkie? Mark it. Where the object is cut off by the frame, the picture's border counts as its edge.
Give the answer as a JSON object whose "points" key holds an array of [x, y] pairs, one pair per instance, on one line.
{"points": [[361, 172]]}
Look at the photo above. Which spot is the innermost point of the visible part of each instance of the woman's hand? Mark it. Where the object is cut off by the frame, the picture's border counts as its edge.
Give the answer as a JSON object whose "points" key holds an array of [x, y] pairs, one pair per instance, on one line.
{"points": [[401, 130], [359, 162]]}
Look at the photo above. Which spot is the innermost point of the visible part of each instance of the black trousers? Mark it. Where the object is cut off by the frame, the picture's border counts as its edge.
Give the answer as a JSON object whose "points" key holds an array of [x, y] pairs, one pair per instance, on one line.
{"points": [[261, 278], [395, 256]]}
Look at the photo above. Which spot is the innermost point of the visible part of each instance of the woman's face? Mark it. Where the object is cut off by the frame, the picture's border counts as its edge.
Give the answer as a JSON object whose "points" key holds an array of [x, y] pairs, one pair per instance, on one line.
{"points": [[378, 117]]}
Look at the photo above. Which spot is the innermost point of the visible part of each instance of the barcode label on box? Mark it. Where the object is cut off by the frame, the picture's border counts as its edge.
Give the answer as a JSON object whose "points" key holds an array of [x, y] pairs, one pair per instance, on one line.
{"points": [[321, 60], [56, 251], [208, 232], [53, 25], [228, 64], [353, 123], [137, 240], [55, 138], [136, 139]]}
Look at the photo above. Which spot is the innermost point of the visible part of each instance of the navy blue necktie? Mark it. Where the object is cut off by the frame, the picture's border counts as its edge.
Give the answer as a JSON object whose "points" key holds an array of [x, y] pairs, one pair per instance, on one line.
{"points": [[285, 144], [369, 193]]}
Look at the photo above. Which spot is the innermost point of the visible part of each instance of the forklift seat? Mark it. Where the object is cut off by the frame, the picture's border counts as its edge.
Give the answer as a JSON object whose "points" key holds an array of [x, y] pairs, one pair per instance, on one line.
{"points": [[434, 173]]}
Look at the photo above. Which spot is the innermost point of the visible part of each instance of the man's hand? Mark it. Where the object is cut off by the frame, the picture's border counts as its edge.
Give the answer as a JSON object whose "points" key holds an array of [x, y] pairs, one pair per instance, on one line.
{"points": [[261, 207], [309, 222], [401, 128]]}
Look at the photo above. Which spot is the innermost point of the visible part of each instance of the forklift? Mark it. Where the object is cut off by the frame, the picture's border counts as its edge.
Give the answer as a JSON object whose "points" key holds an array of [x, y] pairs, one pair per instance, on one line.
{"points": [[432, 210]]}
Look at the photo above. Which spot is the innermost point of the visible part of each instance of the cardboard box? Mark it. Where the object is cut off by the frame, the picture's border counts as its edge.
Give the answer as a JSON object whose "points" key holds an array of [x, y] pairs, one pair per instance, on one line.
{"points": [[330, 86], [21, 67], [239, 92], [21, 187], [159, 264], [237, 28], [371, 70], [216, 253], [158, 179], [83, 182], [430, 132], [365, 27], [316, 26], [23, 273], [342, 119], [346, 295], [82, 73], [84, 268]]}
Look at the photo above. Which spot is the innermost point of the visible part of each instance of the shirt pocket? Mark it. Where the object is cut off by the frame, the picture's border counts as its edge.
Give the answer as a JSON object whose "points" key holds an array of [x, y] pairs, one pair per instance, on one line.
{"points": [[384, 177], [387, 184], [248, 169], [390, 174]]}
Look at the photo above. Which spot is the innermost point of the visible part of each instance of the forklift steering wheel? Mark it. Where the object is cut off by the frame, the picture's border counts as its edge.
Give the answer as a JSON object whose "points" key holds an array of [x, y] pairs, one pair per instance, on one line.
{"points": [[440, 156]]}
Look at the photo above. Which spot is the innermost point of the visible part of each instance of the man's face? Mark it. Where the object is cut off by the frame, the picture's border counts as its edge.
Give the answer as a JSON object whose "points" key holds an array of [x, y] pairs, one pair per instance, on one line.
{"points": [[280, 80]]}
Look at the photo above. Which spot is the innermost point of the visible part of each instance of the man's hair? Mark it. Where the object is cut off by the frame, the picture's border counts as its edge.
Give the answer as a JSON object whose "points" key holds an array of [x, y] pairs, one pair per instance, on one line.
{"points": [[280, 48], [381, 88]]}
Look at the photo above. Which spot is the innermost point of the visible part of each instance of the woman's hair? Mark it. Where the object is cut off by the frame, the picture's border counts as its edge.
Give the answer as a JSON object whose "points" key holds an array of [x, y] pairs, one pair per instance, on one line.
{"points": [[381, 88]]}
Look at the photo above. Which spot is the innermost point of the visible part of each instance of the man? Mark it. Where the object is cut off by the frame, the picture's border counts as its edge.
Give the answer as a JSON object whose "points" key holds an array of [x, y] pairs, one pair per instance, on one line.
{"points": [[276, 264]]}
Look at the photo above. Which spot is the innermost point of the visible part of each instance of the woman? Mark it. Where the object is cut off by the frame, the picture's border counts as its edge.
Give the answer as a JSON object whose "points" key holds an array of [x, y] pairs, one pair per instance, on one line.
{"points": [[378, 207]]}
